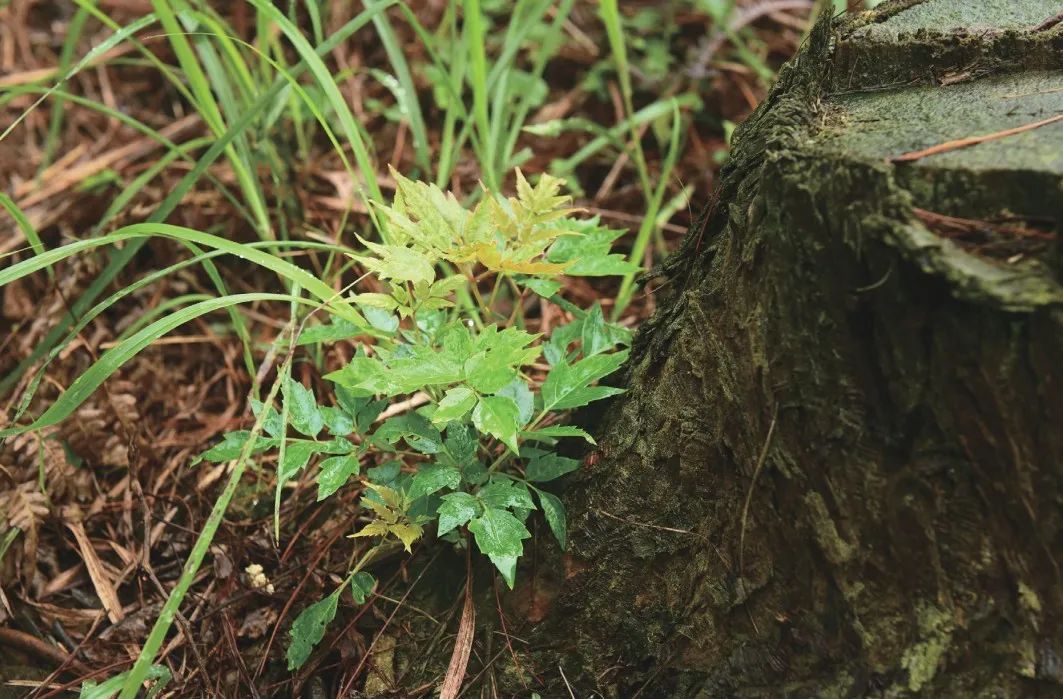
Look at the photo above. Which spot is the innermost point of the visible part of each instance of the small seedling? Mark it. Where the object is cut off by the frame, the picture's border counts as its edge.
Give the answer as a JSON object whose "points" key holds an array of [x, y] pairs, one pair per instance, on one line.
{"points": [[477, 453]]}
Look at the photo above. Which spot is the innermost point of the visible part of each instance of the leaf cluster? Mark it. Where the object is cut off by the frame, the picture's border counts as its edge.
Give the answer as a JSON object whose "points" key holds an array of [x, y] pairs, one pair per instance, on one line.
{"points": [[473, 459]]}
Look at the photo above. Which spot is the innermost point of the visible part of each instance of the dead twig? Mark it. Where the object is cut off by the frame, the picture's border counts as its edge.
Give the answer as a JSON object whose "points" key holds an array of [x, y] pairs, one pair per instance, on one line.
{"points": [[749, 496], [459, 659], [972, 140], [1048, 23], [22, 641], [954, 225]]}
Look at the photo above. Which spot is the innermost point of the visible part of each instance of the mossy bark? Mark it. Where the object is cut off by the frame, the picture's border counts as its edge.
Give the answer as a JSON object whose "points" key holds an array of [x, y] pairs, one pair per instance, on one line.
{"points": [[838, 471]]}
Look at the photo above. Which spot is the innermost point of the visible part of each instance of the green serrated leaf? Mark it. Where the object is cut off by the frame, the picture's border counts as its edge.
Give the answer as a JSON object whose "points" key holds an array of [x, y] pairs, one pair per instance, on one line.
{"points": [[587, 252], [334, 474], [303, 413], [381, 319], [397, 262], [556, 349], [518, 390], [364, 377], [548, 467], [421, 369], [415, 428], [487, 374], [455, 510], [363, 409], [499, 417], [597, 335], [508, 346], [385, 473], [568, 385], [454, 405], [543, 287], [297, 454], [230, 446], [554, 512], [460, 445], [362, 586], [431, 479], [475, 473], [338, 329], [449, 285], [337, 445], [507, 566], [338, 422], [272, 424], [375, 300], [458, 343], [506, 493], [500, 536], [558, 431], [309, 628]]}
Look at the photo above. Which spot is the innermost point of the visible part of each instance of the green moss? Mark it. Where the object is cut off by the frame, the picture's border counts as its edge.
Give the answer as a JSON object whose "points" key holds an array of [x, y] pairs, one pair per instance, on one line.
{"points": [[923, 659], [836, 549], [1004, 177], [886, 124], [1029, 599], [948, 15], [938, 42]]}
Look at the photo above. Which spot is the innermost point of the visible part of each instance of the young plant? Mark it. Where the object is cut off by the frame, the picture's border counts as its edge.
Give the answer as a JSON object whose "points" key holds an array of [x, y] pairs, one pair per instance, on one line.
{"points": [[477, 454]]}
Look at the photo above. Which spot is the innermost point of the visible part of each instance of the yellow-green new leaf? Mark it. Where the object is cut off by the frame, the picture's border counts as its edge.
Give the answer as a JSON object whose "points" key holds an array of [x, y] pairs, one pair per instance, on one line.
{"points": [[397, 262], [375, 300]]}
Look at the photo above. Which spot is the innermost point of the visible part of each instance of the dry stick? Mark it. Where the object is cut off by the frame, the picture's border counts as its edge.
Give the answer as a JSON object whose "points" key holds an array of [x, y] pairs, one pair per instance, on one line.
{"points": [[62, 178], [973, 140], [241, 666], [749, 497], [27, 643], [567, 685], [71, 663], [459, 659], [955, 224], [103, 585], [1048, 23]]}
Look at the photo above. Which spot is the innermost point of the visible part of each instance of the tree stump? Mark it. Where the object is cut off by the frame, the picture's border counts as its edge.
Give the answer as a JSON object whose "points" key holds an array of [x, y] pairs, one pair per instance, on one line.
{"points": [[838, 471]]}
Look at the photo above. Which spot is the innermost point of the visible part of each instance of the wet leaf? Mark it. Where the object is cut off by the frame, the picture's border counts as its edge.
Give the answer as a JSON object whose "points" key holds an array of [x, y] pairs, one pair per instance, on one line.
{"points": [[500, 535], [309, 628]]}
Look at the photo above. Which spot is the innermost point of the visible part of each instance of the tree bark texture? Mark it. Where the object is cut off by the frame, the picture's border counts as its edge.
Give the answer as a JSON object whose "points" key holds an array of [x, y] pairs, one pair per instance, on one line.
{"points": [[838, 471]]}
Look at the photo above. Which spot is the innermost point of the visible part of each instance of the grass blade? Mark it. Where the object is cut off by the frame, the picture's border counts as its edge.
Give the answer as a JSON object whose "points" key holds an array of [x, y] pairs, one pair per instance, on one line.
{"points": [[286, 270], [610, 14], [24, 225], [410, 104], [84, 385], [120, 258], [328, 85], [91, 314], [474, 41], [649, 221]]}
